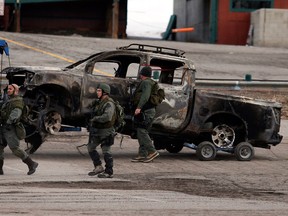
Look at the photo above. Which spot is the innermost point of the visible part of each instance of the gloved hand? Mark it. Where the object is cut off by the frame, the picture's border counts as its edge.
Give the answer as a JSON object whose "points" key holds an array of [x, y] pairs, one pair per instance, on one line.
{"points": [[140, 117], [93, 120], [8, 127]]}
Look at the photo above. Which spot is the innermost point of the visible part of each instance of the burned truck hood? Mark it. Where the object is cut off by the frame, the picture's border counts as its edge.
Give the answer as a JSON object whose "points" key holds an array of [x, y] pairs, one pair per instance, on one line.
{"points": [[38, 68], [19, 74], [10, 71]]}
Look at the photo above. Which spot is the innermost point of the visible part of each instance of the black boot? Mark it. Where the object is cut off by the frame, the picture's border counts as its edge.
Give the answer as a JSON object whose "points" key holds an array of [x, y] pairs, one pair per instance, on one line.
{"points": [[32, 165], [1, 167]]}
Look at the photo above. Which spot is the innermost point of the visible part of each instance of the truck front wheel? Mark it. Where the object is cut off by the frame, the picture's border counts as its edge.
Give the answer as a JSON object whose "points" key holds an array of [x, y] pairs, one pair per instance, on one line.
{"points": [[52, 122]]}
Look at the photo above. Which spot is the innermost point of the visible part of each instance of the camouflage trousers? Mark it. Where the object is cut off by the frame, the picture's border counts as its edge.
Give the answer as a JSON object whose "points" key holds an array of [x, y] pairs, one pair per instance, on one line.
{"points": [[9, 137], [105, 143], [145, 143]]}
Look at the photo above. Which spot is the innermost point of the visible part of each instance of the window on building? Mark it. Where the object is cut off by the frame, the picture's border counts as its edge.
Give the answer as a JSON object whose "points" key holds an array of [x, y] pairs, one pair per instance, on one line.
{"points": [[250, 5]]}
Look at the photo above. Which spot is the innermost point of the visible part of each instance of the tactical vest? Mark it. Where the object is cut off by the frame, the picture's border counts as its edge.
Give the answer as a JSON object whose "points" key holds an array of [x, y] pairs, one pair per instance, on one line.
{"points": [[9, 105], [99, 110], [138, 92]]}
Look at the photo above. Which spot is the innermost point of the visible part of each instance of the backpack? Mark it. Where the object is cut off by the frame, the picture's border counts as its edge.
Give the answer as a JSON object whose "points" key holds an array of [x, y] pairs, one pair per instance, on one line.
{"points": [[19, 126], [157, 94], [120, 115], [25, 113]]}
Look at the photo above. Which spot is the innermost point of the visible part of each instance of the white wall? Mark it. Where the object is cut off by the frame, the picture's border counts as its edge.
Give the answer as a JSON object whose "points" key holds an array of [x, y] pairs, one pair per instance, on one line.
{"points": [[270, 27]]}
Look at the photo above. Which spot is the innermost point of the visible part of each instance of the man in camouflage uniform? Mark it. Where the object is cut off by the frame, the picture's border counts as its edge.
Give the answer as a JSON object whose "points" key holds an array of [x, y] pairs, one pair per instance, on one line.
{"points": [[11, 112], [102, 132], [143, 117]]}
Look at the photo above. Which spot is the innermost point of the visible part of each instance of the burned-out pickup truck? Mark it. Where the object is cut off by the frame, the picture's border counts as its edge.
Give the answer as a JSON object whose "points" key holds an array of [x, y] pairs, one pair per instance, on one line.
{"points": [[199, 119]]}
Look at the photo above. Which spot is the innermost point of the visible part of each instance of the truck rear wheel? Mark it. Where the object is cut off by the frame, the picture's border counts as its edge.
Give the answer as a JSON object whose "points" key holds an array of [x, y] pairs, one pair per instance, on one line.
{"points": [[227, 131], [223, 136], [206, 151], [244, 151]]}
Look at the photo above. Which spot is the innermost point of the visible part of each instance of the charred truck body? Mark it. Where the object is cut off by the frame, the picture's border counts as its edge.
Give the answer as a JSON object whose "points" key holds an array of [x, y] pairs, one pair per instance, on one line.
{"points": [[199, 119]]}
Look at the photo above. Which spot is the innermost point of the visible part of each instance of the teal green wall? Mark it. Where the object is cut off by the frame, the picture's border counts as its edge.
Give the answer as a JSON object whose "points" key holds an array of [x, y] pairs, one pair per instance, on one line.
{"points": [[213, 21]]}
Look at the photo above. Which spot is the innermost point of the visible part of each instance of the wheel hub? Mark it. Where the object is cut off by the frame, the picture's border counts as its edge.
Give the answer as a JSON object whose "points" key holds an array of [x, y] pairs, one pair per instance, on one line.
{"points": [[245, 152], [223, 136], [207, 152], [52, 122]]}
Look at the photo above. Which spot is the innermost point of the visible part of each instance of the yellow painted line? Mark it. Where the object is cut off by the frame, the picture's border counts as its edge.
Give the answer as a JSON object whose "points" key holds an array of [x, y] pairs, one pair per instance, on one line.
{"points": [[47, 53], [38, 50]]}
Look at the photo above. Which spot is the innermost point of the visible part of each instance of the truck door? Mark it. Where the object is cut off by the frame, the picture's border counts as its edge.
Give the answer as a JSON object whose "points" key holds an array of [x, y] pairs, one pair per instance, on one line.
{"points": [[173, 114], [118, 71]]}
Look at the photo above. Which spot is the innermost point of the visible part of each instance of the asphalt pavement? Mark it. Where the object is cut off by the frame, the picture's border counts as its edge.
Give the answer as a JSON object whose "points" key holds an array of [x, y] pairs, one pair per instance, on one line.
{"points": [[211, 60]]}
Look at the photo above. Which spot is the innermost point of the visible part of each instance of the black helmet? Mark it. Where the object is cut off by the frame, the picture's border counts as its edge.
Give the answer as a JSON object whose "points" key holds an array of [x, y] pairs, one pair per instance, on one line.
{"points": [[146, 71], [105, 88]]}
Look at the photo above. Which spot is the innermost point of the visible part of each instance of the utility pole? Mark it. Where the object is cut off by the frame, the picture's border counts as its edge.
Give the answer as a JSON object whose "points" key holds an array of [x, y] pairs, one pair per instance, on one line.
{"points": [[115, 18], [17, 16]]}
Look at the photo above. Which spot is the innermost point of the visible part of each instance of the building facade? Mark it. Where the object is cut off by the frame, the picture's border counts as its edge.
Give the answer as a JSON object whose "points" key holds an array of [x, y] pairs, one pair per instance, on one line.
{"points": [[219, 21], [85, 17]]}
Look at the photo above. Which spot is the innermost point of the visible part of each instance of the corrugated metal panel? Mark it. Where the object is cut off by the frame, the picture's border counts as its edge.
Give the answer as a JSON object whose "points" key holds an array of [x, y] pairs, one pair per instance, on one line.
{"points": [[36, 1]]}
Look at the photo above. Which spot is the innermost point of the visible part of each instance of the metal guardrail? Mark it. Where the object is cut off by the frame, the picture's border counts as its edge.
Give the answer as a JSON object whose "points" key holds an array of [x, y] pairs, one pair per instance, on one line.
{"points": [[238, 84]]}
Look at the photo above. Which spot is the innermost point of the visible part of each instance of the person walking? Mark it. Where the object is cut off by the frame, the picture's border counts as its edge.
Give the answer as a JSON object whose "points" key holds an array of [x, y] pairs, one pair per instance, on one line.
{"points": [[11, 111], [143, 116], [102, 132]]}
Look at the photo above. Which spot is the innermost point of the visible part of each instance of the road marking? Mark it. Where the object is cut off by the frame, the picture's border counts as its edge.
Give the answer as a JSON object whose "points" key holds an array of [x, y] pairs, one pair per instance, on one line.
{"points": [[48, 53], [38, 50]]}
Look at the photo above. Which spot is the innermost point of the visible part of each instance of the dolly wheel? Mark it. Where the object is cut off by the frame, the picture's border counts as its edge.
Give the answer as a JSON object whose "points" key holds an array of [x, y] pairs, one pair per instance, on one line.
{"points": [[244, 151], [206, 151]]}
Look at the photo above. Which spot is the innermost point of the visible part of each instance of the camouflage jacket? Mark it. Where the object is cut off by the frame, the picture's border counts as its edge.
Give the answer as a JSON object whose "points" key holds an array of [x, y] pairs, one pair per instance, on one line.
{"points": [[11, 110], [103, 118], [142, 94]]}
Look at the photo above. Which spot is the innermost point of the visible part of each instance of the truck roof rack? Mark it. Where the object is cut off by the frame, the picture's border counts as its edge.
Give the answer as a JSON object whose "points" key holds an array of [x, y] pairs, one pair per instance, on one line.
{"points": [[154, 49]]}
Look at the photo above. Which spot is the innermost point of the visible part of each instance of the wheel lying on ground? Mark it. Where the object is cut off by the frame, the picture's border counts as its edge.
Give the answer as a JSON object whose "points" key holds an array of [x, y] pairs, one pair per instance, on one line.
{"points": [[174, 147], [206, 151], [244, 151]]}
